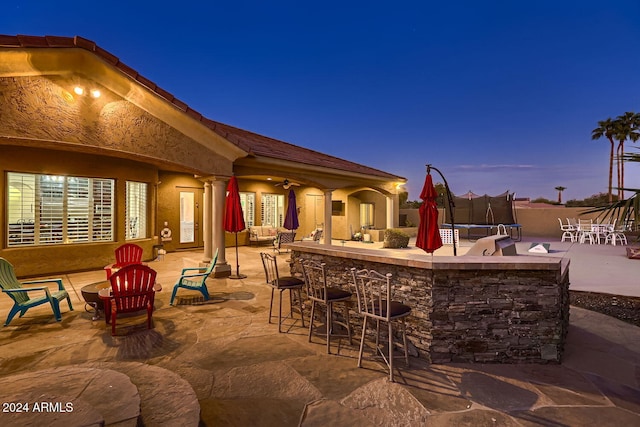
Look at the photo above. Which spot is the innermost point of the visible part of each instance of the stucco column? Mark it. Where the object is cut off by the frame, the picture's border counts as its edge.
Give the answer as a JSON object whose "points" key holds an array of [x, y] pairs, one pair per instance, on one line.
{"points": [[390, 212], [207, 236], [327, 216], [218, 193]]}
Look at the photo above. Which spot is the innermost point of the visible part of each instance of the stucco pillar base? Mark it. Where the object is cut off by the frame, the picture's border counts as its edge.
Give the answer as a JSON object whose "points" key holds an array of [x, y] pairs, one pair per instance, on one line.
{"points": [[222, 270]]}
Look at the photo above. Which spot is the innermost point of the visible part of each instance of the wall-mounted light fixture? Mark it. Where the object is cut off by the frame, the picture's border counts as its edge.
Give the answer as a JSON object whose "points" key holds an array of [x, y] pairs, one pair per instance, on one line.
{"points": [[79, 90]]}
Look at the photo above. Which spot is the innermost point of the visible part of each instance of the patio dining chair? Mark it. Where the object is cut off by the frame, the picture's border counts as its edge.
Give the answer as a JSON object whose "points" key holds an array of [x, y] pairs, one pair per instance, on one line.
{"points": [[569, 231], [319, 292], [375, 301], [25, 297], [585, 231], [189, 279], [616, 234]]}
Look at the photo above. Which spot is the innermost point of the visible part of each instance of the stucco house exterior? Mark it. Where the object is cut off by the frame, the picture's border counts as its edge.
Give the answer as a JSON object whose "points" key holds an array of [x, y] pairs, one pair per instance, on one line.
{"points": [[94, 155]]}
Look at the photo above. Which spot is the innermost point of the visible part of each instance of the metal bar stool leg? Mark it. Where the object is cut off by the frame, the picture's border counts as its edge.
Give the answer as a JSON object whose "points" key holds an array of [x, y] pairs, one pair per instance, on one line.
{"points": [[404, 342], [271, 305], [301, 310], [347, 317], [280, 313], [364, 333], [313, 307], [329, 325], [390, 356]]}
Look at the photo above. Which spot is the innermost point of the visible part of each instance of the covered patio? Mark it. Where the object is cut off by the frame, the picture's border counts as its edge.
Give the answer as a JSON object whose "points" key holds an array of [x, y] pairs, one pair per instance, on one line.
{"points": [[221, 363], [114, 158]]}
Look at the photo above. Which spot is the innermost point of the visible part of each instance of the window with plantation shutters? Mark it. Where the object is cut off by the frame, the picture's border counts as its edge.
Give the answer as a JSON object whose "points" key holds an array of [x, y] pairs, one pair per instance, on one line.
{"points": [[78, 209], [102, 209], [54, 209], [136, 210], [273, 210], [50, 200], [248, 203], [21, 209]]}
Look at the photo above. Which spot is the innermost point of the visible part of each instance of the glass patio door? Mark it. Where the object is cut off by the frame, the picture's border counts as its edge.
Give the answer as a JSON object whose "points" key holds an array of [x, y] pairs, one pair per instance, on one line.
{"points": [[190, 233]]}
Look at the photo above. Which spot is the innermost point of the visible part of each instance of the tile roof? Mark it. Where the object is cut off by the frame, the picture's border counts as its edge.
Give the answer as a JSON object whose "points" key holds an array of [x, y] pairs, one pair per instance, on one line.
{"points": [[253, 143]]}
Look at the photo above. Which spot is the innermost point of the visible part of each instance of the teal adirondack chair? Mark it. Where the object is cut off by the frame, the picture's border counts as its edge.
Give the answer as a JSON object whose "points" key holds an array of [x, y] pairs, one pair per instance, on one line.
{"points": [[22, 295], [195, 281]]}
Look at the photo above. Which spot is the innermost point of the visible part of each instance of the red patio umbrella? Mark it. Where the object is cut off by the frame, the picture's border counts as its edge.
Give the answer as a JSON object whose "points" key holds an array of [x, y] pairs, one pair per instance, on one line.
{"points": [[428, 233], [233, 218]]}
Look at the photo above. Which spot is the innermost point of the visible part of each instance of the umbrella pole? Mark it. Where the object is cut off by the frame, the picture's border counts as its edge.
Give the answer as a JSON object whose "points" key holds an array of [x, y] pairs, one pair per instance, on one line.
{"points": [[237, 275], [450, 197]]}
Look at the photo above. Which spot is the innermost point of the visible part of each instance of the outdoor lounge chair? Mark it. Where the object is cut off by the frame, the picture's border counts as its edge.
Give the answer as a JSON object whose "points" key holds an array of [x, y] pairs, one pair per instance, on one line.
{"points": [[126, 254], [26, 297], [132, 290], [195, 281], [315, 236], [283, 238]]}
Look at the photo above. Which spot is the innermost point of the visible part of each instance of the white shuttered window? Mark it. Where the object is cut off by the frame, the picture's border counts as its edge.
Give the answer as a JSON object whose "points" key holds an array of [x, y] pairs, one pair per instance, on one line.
{"points": [[273, 210], [136, 210], [54, 209], [248, 202]]}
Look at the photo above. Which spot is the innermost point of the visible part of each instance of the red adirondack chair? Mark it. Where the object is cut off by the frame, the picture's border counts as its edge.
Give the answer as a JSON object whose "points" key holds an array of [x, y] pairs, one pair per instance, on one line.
{"points": [[132, 289], [127, 254]]}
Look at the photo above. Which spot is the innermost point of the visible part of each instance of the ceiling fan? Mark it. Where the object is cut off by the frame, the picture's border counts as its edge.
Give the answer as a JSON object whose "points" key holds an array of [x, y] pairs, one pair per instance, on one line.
{"points": [[286, 184]]}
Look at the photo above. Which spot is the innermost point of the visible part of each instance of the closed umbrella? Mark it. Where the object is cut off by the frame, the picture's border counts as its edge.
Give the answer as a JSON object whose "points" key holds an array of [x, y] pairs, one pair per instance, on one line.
{"points": [[291, 218], [428, 233], [233, 218], [290, 222]]}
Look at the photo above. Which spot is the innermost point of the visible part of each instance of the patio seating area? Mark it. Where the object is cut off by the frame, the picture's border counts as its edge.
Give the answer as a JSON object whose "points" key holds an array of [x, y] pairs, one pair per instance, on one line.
{"points": [[588, 231], [220, 362]]}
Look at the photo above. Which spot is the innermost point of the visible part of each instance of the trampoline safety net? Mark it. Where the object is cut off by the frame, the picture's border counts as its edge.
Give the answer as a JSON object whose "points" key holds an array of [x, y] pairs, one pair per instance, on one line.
{"points": [[471, 208]]}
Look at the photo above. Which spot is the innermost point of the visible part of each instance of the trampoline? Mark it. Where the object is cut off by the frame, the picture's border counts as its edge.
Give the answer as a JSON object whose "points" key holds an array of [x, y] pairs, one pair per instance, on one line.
{"points": [[481, 216]]}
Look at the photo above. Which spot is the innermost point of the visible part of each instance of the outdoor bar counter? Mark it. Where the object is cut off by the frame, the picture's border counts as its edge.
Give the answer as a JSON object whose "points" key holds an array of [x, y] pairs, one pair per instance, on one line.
{"points": [[473, 309]]}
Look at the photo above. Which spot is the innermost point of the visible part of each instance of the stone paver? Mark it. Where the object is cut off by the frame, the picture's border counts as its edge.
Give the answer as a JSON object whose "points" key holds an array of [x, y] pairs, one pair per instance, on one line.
{"points": [[221, 363]]}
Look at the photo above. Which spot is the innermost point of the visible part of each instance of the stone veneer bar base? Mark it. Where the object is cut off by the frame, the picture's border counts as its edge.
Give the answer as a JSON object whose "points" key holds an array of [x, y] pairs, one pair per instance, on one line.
{"points": [[472, 309]]}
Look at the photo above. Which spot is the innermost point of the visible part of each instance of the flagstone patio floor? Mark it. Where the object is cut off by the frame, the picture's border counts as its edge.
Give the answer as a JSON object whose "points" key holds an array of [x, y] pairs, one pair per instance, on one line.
{"points": [[220, 363]]}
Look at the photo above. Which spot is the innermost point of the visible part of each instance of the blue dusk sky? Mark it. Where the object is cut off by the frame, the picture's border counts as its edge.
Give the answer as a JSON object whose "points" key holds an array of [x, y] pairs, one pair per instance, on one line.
{"points": [[498, 95]]}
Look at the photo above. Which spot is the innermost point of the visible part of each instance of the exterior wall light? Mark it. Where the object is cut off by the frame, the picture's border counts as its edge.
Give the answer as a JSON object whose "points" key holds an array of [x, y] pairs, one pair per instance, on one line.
{"points": [[78, 90]]}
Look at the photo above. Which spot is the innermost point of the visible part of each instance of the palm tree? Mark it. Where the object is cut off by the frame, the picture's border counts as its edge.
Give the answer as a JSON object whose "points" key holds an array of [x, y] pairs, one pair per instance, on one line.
{"points": [[560, 190], [606, 128], [625, 127]]}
